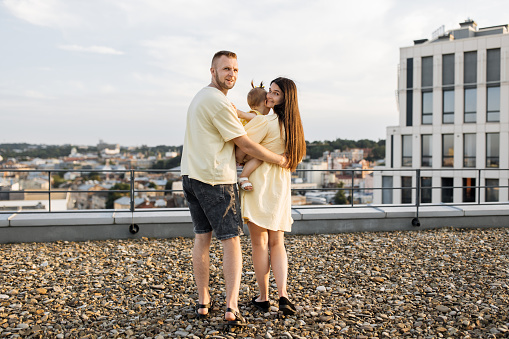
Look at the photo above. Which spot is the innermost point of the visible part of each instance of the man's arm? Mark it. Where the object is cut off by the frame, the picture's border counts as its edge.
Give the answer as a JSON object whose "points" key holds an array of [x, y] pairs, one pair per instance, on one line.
{"points": [[255, 150]]}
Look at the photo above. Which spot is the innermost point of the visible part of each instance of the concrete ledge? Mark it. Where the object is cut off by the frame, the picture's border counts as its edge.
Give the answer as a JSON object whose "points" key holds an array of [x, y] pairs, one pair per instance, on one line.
{"points": [[102, 225], [4, 220], [62, 219], [424, 211], [485, 210], [159, 217], [340, 213]]}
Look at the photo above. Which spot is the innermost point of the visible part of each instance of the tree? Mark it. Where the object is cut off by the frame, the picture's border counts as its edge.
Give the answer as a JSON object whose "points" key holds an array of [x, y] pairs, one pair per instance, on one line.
{"points": [[112, 196], [340, 198]]}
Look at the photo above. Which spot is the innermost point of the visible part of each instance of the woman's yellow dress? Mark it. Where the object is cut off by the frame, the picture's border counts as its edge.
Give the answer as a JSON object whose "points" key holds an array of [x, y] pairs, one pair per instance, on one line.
{"points": [[268, 205]]}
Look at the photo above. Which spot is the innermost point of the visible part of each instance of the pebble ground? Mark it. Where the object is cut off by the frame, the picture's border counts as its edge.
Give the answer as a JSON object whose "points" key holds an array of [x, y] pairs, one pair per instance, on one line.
{"points": [[444, 283]]}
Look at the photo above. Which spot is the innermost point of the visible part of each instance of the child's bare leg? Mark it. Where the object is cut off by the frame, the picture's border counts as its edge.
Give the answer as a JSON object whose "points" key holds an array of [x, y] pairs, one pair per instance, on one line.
{"points": [[249, 167]]}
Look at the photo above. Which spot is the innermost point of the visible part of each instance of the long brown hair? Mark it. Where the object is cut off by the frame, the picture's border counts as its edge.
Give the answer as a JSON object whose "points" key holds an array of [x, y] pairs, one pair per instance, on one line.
{"points": [[289, 121]]}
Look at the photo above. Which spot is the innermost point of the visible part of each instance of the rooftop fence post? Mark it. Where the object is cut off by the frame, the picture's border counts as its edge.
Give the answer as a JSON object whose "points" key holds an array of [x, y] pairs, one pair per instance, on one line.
{"points": [[479, 187], [49, 191], [415, 221]]}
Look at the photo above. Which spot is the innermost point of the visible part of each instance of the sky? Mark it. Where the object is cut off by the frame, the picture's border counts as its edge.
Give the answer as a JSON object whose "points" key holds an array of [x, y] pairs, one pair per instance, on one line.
{"points": [[124, 71]]}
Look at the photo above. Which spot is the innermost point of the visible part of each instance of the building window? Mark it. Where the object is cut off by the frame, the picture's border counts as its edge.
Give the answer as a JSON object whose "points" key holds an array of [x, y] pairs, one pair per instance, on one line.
{"points": [[470, 68], [468, 189], [491, 190], [427, 72], [448, 107], [470, 105], [425, 190], [447, 69], [392, 150], [493, 104], [427, 108], [447, 150], [386, 190], [409, 92], [492, 149], [426, 150], [406, 190], [447, 189], [406, 144], [493, 65], [469, 150]]}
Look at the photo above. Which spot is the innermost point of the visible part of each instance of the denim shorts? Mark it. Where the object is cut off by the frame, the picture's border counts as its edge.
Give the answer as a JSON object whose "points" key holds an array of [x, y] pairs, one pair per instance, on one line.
{"points": [[213, 208]]}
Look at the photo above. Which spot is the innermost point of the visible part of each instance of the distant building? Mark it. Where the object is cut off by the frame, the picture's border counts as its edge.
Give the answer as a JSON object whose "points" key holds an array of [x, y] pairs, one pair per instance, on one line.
{"points": [[453, 99]]}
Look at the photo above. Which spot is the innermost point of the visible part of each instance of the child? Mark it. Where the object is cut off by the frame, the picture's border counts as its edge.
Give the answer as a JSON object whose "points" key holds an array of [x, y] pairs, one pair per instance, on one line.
{"points": [[256, 101]]}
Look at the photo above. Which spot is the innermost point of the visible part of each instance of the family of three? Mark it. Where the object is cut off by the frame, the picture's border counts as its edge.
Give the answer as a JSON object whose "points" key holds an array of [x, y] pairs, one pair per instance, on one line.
{"points": [[215, 140]]}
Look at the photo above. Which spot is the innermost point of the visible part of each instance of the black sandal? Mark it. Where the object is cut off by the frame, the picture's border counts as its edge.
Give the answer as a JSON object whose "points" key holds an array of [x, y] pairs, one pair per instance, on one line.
{"points": [[261, 305], [206, 306], [239, 320], [286, 306]]}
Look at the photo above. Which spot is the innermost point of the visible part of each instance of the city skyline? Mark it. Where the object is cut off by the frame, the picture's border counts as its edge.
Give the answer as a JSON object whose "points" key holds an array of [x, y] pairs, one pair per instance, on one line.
{"points": [[125, 71]]}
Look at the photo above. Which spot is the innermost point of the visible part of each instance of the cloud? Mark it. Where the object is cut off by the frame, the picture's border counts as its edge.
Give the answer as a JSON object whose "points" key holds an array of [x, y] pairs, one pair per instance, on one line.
{"points": [[91, 49], [36, 95]]}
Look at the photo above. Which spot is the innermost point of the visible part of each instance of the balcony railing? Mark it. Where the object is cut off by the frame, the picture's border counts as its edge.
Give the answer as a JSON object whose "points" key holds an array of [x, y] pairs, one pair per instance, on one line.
{"points": [[349, 177]]}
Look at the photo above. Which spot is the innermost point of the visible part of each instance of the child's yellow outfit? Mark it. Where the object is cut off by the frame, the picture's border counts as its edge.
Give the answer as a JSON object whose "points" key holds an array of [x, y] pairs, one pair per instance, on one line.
{"points": [[244, 121]]}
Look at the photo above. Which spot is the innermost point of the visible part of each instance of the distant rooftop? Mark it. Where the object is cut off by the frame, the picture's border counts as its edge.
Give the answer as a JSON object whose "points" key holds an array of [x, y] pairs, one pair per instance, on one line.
{"points": [[468, 29]]}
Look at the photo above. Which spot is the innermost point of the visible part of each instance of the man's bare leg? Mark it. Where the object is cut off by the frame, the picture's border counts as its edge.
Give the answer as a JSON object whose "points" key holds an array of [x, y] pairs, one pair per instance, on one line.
{"points": [[201, 264], [232, 269]]}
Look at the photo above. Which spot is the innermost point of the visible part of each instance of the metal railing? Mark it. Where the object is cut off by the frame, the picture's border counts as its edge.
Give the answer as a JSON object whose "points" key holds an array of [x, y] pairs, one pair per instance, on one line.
{"points": [[130, 177]]}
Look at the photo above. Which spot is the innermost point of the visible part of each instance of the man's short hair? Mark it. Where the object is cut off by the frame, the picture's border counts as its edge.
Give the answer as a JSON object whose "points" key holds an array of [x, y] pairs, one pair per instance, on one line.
{"points": [[220, 54], [256, 96]]}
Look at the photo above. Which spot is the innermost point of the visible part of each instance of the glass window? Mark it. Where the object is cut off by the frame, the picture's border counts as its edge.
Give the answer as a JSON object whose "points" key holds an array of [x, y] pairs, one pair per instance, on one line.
{"points": [[493, 65], [406, 141], [491, 190], [406, 190], [447, 189], [386, 190], [468, 189], [470, 67], [427, 108], [447, 150], [448, 69], [425, 190], [426, 150], [469, 150], [493, 104], [470, 104], [427, 72], [492, 149], [448, 107]]}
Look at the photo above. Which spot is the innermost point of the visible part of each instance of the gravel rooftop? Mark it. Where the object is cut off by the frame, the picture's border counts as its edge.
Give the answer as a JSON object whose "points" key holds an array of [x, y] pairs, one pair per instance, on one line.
{"points": [[450, 283]]}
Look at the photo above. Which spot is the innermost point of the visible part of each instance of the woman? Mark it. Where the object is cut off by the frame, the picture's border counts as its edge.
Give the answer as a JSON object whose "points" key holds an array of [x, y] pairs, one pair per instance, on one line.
{"points": [[267, 208]]}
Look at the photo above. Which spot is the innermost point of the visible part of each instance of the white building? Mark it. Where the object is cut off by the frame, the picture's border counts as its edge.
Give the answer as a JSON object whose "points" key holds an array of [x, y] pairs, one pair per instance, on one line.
{"points": [[453, 98]]}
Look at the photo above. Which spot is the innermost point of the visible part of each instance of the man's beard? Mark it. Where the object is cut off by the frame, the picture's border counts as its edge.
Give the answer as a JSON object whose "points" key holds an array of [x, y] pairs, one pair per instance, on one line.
{"points": [[223, 84]]}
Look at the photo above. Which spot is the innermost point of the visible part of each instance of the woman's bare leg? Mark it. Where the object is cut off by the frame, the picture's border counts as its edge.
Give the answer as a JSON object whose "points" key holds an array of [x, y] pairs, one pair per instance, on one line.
{"points": [[260, 255], [279, 261]]}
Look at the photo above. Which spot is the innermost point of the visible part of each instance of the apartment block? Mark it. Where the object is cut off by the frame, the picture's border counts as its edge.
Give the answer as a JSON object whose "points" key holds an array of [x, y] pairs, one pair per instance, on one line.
{"points": [[453, 134]]}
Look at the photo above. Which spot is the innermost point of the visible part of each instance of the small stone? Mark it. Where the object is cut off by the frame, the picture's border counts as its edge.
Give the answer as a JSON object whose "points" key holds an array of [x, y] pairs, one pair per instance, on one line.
{"points": [[443, 308], [321, 289], [181, 333], [4, 296], [42, 291]]}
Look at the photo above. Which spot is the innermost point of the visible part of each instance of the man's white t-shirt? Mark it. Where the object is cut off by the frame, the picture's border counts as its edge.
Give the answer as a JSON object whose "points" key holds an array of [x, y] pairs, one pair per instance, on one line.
{"points": [[208, 154]]}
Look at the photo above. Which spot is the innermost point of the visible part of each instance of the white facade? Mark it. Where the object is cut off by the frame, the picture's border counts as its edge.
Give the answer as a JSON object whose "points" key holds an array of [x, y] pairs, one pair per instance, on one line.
{"points": [[438, 106]]}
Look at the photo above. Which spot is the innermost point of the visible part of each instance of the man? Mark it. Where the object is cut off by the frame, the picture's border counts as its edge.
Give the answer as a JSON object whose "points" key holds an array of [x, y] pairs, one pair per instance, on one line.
{"points": [[209, 181]]}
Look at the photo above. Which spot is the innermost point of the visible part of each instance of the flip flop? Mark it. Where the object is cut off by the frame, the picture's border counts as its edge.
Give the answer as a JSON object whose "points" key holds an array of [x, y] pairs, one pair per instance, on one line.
{"points": [[206, 306], [239, 319]]}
